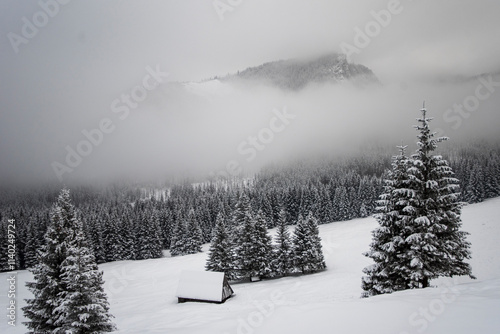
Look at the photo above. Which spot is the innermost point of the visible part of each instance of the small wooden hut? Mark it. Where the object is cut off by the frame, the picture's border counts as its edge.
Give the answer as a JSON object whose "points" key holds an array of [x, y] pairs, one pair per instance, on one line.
{"points": [[203, 286]]}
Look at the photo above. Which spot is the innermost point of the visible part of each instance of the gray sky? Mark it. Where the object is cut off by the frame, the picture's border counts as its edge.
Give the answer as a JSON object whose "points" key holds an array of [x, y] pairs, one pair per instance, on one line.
{"points": [[66, 74]]}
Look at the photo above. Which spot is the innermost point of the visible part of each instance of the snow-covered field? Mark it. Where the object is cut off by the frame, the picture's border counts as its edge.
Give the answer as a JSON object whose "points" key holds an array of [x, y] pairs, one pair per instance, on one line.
{"points": [[142, 293]]}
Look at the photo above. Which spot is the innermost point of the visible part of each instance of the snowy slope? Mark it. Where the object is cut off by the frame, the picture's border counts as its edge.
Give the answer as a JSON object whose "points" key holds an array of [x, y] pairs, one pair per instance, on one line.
{"points": [[142, 293]]}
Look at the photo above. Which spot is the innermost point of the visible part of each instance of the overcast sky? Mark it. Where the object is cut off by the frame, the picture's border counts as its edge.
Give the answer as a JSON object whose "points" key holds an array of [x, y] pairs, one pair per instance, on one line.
{"points": [[62, 77]]}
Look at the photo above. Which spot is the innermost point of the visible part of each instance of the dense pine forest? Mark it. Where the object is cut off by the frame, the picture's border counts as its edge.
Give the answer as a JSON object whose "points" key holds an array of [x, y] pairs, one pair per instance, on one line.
{"points": [[132, 222]]}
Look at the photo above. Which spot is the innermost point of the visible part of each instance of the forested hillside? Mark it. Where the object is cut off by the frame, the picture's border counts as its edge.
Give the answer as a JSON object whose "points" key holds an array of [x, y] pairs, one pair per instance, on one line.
{"points": [[294, 74], [136, 222]]}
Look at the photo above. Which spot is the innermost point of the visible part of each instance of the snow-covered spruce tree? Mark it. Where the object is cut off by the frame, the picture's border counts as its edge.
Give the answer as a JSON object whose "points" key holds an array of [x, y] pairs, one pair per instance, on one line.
{"points": [[307, 252], [155, 237], [128, 237], [4, 258], [492, 177], [301, 245], [291, 203], [325, 209], [491, 186], [48, 285], [474, 189], [51, 283], [261, 249], [149, 241], [266, 207], [95, 234], [419, 238], [113, 242], [220, 254], [83, 304], [282, 263], [244, 230], [318, 260], [394, 214], [194, 235], [437, 246], [31, 247], [341, 204], [365, 189], [165, 221], [143, 234], [178, 237]]}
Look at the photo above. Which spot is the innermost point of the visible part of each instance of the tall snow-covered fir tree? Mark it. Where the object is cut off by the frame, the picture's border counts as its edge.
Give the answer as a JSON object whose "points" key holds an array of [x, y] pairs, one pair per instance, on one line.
{"points": [[48, 284], [307, 249], [83, 304], [4, 258], [178, 237], [419, 238], [301, 246], [474, 189], [31, 246], [155, 237], [282, 263], [142, 243], [318, 260], [220, 254], [394, 216], [438, 246], [113, 241], [128, 237], [51, 275], [149, 243], [341, 203], [194, 235], [95, 233], [243, 239], [261, 249]]}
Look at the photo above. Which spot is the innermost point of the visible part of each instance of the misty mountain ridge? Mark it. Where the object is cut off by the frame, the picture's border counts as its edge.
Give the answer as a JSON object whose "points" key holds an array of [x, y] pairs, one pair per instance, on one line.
{"points": [[291, 75], [461, 78], [295, 74]]}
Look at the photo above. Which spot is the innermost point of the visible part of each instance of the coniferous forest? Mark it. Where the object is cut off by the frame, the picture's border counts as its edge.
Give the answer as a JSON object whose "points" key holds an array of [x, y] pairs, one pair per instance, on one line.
{"points": [[134, 222]]}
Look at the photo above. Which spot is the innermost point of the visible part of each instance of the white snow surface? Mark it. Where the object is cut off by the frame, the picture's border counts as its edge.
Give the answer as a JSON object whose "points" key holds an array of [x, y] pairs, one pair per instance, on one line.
{"points": [[143, 293], [202, 285]]}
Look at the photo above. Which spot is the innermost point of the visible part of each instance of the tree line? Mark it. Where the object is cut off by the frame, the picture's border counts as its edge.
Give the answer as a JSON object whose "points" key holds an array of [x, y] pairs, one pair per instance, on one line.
{"points": [[133, 222], [242, 248]]}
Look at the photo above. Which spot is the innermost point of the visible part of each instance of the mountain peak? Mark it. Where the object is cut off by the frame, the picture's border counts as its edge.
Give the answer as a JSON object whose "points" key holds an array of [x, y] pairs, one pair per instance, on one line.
{"points": [[295, 74]]}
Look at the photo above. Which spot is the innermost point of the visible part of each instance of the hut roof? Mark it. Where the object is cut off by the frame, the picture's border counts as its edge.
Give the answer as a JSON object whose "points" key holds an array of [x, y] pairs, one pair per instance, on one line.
{"points": [[203, 286]]}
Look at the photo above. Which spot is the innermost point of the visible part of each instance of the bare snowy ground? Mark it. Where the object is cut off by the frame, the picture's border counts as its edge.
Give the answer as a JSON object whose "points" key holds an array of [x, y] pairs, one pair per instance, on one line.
{"points": [[142, 293]]}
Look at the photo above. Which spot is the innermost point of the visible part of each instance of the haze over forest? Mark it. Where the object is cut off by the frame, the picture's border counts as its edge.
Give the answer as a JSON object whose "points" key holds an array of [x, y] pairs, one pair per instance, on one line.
{"points": [[71, 76]]}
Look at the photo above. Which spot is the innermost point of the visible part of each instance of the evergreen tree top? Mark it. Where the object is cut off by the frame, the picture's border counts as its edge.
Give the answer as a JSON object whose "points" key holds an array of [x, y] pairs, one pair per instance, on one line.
{"points": [[402, 149], [426, 141]]}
